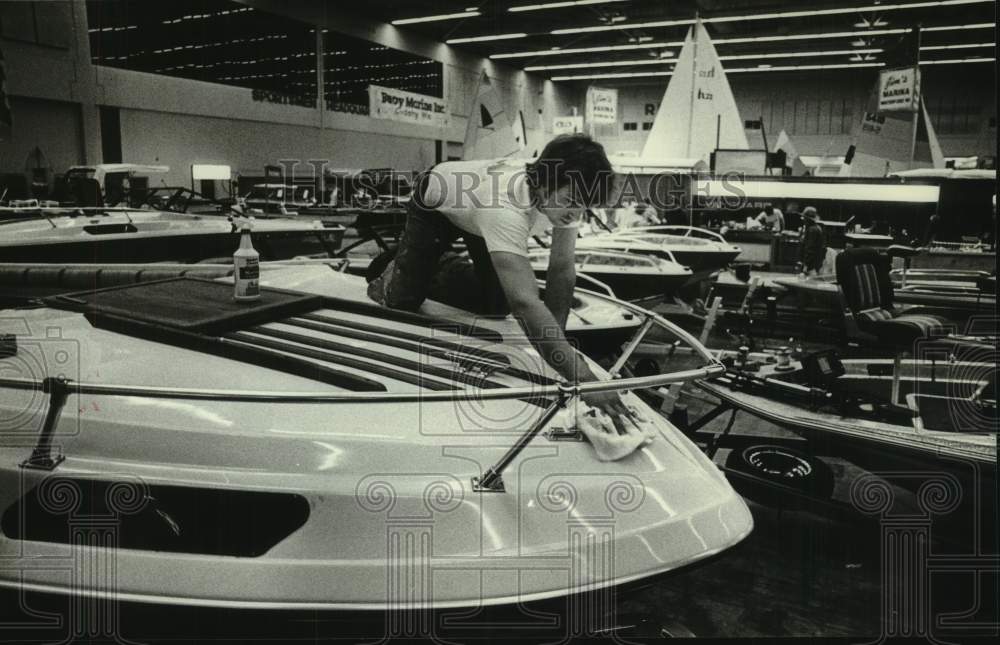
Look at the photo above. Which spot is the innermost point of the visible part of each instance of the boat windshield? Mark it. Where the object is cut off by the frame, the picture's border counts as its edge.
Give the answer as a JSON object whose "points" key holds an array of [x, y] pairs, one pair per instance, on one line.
{"points": [[278, 193]]}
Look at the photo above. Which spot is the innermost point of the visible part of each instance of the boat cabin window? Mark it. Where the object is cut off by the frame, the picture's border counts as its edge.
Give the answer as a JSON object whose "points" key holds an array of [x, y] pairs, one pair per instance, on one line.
{"points": [[602, 259]]}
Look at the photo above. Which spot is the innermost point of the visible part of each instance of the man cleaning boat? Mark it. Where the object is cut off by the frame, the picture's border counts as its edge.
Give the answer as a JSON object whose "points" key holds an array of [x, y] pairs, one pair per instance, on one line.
{"points": [[496, 206]]}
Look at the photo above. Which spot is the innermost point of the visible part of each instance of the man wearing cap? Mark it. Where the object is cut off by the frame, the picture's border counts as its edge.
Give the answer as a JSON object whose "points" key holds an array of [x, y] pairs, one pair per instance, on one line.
{"points": [[813, 243]]}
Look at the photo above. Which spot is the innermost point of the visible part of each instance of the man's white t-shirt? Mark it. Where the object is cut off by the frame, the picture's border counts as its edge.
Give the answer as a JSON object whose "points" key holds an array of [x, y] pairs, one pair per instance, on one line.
{"points": [[487, 198], [775, 221]]}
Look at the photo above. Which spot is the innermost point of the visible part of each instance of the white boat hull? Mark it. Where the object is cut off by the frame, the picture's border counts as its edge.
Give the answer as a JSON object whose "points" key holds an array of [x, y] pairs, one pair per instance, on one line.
{"points": [[393, 520]]}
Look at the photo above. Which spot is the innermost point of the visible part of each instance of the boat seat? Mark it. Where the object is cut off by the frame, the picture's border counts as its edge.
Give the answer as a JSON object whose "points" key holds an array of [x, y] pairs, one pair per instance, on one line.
{"points": [[902, 251], [863, 276]]}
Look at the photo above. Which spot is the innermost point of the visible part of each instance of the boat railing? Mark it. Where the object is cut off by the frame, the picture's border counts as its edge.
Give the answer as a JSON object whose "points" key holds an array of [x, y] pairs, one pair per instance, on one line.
{"points": [[490, 481], [712, 367], [677, 229], [600, 285]]}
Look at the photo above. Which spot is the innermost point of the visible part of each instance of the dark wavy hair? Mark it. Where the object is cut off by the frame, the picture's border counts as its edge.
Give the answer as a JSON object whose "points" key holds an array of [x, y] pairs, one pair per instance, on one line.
{"points": [[578, 161]]}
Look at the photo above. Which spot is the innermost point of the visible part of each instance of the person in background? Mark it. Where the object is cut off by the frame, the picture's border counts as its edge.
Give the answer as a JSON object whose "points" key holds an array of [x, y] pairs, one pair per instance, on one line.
{"points": [[932, 230], [635, 215], [813, 243], [771, 218]]}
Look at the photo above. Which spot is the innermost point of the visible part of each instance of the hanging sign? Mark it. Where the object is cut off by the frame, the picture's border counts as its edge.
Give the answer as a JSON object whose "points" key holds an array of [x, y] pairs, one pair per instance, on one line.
{"points": [[602, 106], [899, 89], [567, 124], [407, 107]]}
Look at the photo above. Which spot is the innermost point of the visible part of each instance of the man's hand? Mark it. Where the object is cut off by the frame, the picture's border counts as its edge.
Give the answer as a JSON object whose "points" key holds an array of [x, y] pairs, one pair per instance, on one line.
{"points": [[611, 404]]}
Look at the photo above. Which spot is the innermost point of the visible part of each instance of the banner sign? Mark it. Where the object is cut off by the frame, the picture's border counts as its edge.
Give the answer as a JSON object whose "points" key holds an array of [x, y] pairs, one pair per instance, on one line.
{"points": [[567, 125], [6, 120], [602, 106], [407, 107], [899, 89]]}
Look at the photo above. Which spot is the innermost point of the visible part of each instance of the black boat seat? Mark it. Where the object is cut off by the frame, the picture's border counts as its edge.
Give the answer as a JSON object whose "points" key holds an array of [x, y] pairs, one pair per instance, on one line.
{"points": [[863, 275], [901, 329], [902, 251]]}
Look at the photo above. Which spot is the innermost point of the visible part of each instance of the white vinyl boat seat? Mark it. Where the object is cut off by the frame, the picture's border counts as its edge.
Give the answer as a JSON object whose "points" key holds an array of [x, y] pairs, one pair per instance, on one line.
{"points": [[863, 275]]}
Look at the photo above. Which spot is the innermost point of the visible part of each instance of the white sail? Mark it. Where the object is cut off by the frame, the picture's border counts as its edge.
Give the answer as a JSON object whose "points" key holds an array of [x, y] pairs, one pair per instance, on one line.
{"points": [[885, 142], [792, 160], [520, 132], [697, 106], [933, 145], [490, 133]]}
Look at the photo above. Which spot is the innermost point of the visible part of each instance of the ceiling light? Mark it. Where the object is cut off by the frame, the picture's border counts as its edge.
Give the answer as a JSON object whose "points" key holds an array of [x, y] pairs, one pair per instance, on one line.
{"points": [[640, 39], [805, 54], [628, 63], [958, 60], [585, 50], [611, 18], [480, 39], [785, 68], [745, 39], [772, 16], [864, 23], [976, 25], [558, 5], [441, 16], [620, 75], [929, 48], [620, 63]]}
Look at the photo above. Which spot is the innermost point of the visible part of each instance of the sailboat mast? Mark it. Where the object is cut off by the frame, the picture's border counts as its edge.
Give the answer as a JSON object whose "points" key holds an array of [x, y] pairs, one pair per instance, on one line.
{"points": [[694, 81], [920, 102]]}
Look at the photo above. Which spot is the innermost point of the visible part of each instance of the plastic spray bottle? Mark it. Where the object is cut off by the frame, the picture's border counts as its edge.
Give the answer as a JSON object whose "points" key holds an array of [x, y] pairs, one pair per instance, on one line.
{"points": [[246, 268]]}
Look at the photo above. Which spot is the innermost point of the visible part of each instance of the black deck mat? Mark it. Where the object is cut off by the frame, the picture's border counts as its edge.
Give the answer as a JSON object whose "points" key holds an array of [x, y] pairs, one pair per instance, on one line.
{"points": [[188, 304]]}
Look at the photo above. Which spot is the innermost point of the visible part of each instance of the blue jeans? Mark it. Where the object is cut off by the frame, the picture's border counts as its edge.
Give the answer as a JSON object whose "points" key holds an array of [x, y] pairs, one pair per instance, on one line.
{"points": [[415, 272]]}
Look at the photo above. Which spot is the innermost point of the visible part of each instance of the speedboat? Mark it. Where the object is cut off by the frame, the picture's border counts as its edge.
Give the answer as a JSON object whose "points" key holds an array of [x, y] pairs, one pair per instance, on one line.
{"points": [[703, 251], [935, 412], [918, 391], [960, 292], [128, 235], [279, 199], [312, 450], [628, 276]]}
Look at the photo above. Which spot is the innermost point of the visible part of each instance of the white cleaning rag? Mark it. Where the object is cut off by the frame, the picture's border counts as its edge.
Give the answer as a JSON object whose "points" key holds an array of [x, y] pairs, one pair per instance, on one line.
{"points": [[601, 432]]}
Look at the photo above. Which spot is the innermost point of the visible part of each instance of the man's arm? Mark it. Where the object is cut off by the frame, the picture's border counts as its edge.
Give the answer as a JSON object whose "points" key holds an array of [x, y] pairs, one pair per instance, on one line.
{"points": [[540, 325], [560, 278], [518, 282]]}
